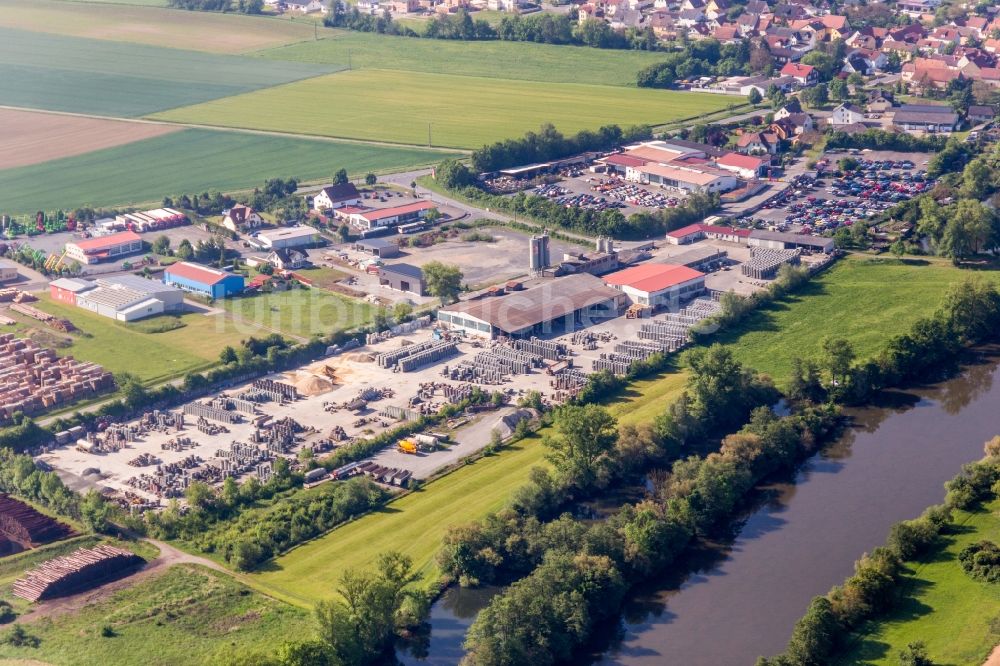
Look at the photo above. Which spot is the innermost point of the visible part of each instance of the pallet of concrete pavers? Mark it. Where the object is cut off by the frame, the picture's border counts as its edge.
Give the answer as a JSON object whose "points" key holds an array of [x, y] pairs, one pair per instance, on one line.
{"points": [[82, 569], [20, 523]]}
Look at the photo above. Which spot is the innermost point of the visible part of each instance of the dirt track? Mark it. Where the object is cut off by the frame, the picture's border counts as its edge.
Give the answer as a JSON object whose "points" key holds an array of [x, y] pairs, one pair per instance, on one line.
{"points": [[168, 557]]}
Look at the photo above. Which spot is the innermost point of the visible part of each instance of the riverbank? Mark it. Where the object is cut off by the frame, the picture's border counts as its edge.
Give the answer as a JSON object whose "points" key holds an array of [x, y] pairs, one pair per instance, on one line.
{"points": [[956, 617]]}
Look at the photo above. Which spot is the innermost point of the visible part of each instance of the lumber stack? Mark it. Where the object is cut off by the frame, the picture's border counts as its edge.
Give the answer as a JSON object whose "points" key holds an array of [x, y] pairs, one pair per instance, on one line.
{"points": [[20, 523], [81, 569]]}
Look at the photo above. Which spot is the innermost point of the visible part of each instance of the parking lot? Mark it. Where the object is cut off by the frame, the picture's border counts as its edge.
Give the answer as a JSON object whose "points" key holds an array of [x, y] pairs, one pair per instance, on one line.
{"points": [[598, 191], [836, 199]]}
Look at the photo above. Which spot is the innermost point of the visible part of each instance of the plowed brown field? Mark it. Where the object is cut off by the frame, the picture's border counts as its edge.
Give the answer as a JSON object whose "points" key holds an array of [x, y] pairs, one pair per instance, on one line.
{"points": [[31, 137]]}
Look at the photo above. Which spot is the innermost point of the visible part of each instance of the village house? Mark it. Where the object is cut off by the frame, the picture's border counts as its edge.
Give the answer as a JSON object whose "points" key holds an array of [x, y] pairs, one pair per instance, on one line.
{"points": [[847, 114], [337, 196], [804, 75], [241, 217], [879, 101], [287, 259]]}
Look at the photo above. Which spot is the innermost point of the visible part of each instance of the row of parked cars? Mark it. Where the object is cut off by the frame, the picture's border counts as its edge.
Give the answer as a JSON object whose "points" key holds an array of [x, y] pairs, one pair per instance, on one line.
{"points": [[567, 198]]}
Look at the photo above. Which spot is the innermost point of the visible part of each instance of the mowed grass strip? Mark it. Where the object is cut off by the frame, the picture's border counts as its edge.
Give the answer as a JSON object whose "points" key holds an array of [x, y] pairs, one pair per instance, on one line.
{"points": [[413, 525], [458, 111], [185, 615], [300, 312], [862, 300], [60, 73], [186, 162], [157, 26], [495, 59], [953, 614], [153, 357]]}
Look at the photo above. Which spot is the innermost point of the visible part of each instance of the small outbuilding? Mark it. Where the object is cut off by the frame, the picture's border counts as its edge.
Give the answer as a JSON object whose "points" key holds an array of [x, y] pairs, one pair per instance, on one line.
{"points": [[382, 248], [403, 277]]}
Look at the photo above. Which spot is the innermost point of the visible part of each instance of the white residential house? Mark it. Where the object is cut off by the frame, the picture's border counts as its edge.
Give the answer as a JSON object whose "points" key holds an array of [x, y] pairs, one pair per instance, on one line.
{"points": [[240, 217], [337, 196], [847, 114]]}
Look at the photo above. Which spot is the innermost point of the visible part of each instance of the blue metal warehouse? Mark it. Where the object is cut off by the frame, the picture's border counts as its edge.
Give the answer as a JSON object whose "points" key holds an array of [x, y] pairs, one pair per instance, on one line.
{"points": [[203, 280]]}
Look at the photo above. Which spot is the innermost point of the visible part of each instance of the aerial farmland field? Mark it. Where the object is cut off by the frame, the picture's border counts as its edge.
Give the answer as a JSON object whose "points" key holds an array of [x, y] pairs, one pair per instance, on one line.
{"points": [[189, 161], [462, 111], [108, 78], [495, 59], [32, 137], [157, 26]]}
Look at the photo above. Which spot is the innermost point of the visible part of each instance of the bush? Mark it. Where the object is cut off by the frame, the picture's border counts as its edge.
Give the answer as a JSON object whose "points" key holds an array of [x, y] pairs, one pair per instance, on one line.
{"points": [[981, 561]]}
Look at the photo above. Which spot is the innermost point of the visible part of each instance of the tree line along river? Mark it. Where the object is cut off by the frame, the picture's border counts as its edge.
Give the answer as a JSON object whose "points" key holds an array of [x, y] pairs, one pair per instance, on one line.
{"points": [[739, 599]]}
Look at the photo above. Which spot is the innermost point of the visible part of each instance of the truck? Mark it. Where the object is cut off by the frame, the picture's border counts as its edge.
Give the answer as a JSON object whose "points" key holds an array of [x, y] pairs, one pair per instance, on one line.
{"points": [[407, 446]]}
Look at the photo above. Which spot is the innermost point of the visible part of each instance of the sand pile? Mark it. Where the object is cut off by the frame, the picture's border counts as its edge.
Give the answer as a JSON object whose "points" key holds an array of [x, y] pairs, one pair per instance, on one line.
{"points": [[310, 384]]}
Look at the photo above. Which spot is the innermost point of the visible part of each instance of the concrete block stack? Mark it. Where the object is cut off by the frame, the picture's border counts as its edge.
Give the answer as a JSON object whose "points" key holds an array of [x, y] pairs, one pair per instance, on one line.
{"points": [[34, 379]]}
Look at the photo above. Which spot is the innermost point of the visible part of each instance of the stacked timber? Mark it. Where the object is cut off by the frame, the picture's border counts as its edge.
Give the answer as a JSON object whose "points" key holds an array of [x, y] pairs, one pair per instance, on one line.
{"points": [[81, 569], [20, 523]]}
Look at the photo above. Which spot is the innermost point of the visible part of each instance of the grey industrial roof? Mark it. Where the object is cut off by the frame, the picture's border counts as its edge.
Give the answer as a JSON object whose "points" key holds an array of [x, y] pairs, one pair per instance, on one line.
{"points": [[925, 117], [136, 283], [408, 270], [798, 239], [375, 243], [546, 302]]}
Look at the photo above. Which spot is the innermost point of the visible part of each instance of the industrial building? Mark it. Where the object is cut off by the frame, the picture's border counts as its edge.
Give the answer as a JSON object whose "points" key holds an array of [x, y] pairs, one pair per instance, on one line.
{"points": [[123, 298], [379, 218], [658, 285], [697, 232], [556, 306], [403, 277], [671, 165], [104, 248], [289, 237], [701, 258], [151, 220], [203, 280], [64, 290], [778, 240], [8, 272], [378, 247]]}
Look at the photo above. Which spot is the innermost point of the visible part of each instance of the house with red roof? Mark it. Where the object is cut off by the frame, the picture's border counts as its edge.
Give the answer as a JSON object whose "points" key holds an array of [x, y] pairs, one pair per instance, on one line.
{"points": [[241, 217], [804, 75], [203, 280], [658, 285]]}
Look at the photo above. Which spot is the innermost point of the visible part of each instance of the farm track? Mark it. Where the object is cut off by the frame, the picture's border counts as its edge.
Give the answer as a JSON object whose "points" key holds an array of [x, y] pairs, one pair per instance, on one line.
{"points": [[239, 130]]}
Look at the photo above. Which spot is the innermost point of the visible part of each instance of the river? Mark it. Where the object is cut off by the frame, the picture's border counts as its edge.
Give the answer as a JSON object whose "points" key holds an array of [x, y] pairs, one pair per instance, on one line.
{"points": [[799, 537]]}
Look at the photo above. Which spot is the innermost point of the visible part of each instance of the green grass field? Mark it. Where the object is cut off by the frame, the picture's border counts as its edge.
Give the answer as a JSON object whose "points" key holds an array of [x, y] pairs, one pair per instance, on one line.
{"points": [[501, 60], [300, 312], [186, 162], [186, 615], [954, 615], [864, 301], [413, 525], [153, 357], [158, 26], [462, 111], [60, 73]]}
